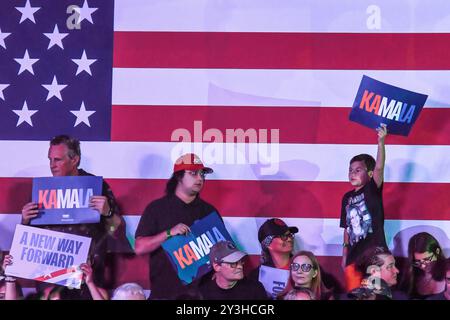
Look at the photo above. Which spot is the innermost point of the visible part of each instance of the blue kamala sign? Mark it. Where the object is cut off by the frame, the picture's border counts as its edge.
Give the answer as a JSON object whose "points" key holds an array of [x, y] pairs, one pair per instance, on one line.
{"points": [[377, 102]]}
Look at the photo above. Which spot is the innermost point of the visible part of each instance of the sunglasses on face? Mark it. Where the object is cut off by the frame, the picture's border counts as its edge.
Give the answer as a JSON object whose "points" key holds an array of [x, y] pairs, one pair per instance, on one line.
{"points": [[306, 267], [423, 262], [285, 237], [196, 173], [233, 265]]}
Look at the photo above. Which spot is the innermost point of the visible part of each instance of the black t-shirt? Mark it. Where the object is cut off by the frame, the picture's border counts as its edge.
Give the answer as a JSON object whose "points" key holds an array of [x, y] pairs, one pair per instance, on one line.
{"points": [[244, 289], [159, 216], [362, 215]]}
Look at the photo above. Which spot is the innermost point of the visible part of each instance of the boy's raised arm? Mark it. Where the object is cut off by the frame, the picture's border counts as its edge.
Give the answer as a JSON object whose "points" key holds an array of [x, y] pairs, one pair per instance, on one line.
{"points": [[378, 172]]}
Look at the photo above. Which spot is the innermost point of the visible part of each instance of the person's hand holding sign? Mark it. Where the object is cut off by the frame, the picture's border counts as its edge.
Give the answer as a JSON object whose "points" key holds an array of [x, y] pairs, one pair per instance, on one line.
{"points": [[180, 228], [100, 203], [382, 132], [88, 277], [29, 211]]}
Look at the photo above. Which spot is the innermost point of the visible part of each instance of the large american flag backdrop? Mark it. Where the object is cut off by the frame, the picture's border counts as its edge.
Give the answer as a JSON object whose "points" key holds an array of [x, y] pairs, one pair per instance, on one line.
{"points": [[123, 75]]}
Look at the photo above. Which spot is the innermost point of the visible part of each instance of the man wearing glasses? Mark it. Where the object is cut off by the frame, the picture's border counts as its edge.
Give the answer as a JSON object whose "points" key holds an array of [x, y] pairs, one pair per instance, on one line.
{"points": [[169, 216], [228, 282]]}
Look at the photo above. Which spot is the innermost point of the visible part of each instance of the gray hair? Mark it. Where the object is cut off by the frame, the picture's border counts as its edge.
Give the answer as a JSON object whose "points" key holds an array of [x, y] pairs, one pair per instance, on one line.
{"points": [[129, 291]]}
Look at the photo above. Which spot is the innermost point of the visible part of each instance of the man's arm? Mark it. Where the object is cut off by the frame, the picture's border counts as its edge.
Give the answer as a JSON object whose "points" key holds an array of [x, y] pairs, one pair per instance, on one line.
{"points": [[378, 172], [113, 219], [149, 244]]}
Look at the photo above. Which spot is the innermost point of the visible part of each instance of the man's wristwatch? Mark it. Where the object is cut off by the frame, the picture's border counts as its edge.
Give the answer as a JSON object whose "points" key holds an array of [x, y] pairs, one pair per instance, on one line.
{"points": [[168, 235]]}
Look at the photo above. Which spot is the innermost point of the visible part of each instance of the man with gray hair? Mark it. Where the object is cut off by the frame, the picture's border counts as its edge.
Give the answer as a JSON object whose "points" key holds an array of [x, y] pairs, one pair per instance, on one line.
{"points": [[228, 282]]}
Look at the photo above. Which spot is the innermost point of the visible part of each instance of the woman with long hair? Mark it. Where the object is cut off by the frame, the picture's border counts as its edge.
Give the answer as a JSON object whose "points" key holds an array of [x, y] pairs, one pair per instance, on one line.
{"points": [[305, 273], [426, 273]]}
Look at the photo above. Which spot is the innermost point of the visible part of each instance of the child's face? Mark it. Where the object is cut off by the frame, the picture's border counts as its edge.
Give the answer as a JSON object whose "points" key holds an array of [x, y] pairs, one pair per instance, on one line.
{"points": [[358, 175]]}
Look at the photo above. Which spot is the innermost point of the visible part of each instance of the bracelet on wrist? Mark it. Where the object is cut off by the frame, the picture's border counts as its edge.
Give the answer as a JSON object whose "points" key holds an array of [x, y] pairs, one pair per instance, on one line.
{"points": [[110, 213], [168, 235], [10, 279]]}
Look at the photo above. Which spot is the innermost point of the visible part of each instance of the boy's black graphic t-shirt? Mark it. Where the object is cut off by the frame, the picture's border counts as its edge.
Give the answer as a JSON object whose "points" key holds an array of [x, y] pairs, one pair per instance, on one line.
{"points": [[362, 215]]}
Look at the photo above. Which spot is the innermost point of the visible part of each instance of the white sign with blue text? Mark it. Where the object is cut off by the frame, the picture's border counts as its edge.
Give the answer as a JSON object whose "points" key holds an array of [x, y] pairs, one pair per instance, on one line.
{"points": [[48, 256]]}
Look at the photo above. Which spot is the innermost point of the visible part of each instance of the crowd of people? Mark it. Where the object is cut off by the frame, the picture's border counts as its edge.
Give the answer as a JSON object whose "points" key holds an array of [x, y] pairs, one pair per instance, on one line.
{"points": [[368, 266]]}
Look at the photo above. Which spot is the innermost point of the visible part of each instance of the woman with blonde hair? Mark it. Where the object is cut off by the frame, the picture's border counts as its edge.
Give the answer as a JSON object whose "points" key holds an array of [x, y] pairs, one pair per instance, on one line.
{"points": [[305, 273]]}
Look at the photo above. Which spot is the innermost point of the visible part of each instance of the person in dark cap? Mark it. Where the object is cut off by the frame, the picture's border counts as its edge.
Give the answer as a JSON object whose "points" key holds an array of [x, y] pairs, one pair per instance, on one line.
{"points": [[169, 216], [228, 281], [277, 245]]}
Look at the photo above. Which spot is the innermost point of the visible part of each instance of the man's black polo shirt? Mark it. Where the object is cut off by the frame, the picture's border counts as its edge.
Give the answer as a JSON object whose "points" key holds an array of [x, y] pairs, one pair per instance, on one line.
{"points": [[159, 216]]}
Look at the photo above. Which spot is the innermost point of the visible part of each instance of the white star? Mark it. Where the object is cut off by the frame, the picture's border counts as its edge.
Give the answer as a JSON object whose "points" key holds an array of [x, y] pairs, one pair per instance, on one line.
{"points": [[3, 36], [3, 87], [26, 63], [54, 89], [85, 13], [55, 38], [84, 63], [24, 115], [27, 12], [82, 115]]}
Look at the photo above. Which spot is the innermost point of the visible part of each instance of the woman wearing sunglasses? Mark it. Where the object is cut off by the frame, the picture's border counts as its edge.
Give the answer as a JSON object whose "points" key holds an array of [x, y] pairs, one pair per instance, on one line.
{"points": [[426, 274], [305, 273], [277, 245]]}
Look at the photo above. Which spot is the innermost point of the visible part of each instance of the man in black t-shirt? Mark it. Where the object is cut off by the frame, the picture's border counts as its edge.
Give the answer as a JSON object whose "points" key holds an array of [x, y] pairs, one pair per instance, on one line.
{"points": [[362, 213], [228, 282], [169, 216]]}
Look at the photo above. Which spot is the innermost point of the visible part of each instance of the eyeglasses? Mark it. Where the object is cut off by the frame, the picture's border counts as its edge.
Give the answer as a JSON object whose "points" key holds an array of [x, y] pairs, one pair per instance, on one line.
{"points": [[196, 173], [233, 265], [423, 262], [306, 267], [284, 237]]}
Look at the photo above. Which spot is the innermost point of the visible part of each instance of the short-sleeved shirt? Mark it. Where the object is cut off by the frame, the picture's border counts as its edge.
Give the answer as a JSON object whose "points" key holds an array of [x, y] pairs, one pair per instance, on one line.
{"points": [[244, 289], [362, 216], [159, 216]]}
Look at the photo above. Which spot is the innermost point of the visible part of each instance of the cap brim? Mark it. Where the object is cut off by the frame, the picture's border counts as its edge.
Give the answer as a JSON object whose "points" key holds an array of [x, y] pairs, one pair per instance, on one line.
{"points": [[234, 257], [207, 170], [293, 229]]}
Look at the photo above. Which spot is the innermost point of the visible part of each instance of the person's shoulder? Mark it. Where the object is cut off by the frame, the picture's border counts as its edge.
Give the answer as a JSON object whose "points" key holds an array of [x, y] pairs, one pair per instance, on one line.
{"points": [[206, 203], [255, 287], [249, 282], [82, 172], [157, 204], [371, 186]]}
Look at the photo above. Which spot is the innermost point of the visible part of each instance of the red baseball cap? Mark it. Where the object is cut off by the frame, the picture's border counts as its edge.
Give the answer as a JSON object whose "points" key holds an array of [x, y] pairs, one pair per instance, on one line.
{"points": [[190, 161]]}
